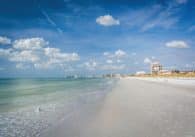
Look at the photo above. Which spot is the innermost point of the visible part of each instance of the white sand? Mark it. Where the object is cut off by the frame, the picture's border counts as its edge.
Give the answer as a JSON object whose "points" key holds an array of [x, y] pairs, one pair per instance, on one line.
{"points": [[135, 108], [178, 81]]}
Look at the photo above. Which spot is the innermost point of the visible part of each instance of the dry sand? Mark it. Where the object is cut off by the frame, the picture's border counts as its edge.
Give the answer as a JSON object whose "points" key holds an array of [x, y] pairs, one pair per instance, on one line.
{"points": [[135, 108]]}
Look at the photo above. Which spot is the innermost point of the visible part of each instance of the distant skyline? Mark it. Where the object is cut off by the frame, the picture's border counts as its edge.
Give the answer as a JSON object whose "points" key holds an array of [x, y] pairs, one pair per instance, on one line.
{"points": [[47, 38]]}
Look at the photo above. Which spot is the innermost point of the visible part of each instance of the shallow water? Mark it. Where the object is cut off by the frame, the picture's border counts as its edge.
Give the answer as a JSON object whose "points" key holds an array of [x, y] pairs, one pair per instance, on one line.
{"points": [[28, 106]]}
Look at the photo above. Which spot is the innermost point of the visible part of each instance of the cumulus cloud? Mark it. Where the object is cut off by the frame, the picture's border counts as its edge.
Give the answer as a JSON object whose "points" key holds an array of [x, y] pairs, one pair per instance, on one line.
{"points": [[120, 53], [177, 44], [117, 54], [5, 52], [106, 53], [56, 55], [24, 56], [4, 40], [107, 20], [109, 61], [147, 61], [114, 60], [90, 65], [119, 61], [32, 52], [30, 43]]}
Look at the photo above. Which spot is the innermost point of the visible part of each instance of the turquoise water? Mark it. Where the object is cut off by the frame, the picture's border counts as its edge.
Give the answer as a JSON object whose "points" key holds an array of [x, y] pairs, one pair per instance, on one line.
{"points": [[28, 106]]}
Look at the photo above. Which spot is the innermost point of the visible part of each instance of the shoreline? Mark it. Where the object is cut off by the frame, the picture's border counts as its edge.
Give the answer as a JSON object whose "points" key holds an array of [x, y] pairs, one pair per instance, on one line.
{"points": [[134, 108]]}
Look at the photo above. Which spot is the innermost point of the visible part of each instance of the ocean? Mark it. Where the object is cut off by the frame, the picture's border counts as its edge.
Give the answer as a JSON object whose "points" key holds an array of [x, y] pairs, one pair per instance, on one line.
{"points": [[30, 106]]}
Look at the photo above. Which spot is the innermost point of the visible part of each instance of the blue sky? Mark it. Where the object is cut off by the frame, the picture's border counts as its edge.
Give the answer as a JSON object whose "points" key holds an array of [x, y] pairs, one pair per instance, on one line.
{"points": [[47, 38]]}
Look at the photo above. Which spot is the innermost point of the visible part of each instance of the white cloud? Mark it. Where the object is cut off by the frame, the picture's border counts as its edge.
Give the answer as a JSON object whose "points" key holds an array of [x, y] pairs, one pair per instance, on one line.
{"points": [[120, 53], [177, 44], [30, 43], [109, 61], [5, 52], [106, 53], [4, 40], [119, 61], [147, 61], [117, 54], [32, 52], [56, 55], [114, 59], [137, 18], [91, 65], [152, 17], [53, 57], [164, 19], [52, 22], [24, 56], [107, 20]]}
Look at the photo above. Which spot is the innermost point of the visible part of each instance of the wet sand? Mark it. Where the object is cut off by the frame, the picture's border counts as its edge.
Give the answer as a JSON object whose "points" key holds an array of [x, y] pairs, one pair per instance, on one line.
{"points": [[134, 108]]}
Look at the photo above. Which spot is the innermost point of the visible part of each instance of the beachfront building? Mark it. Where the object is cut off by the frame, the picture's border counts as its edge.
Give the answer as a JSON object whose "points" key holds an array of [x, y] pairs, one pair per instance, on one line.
{"points": [[156, 67]]}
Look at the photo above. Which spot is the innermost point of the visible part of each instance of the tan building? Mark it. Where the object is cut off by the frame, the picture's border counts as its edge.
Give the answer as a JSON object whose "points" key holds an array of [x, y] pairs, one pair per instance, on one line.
{"points": [[156, 67]]}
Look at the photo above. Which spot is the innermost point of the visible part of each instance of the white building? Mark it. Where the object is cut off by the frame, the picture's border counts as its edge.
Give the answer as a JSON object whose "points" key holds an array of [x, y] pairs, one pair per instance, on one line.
{"points": [[156, 67]]}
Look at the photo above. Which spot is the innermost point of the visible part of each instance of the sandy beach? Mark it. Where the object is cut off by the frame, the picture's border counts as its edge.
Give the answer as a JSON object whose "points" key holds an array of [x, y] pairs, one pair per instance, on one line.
{"points": [[134, 108]]}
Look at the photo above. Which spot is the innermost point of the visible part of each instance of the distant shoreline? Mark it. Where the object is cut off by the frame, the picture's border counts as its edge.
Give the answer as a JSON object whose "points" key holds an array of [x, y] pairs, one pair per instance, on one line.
{"points": [[167, 76], [185, 81], [171, 77]]}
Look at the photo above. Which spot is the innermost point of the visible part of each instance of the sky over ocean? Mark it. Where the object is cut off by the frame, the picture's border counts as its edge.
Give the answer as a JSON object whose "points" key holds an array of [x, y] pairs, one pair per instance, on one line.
{"points": [[43, 38]]}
